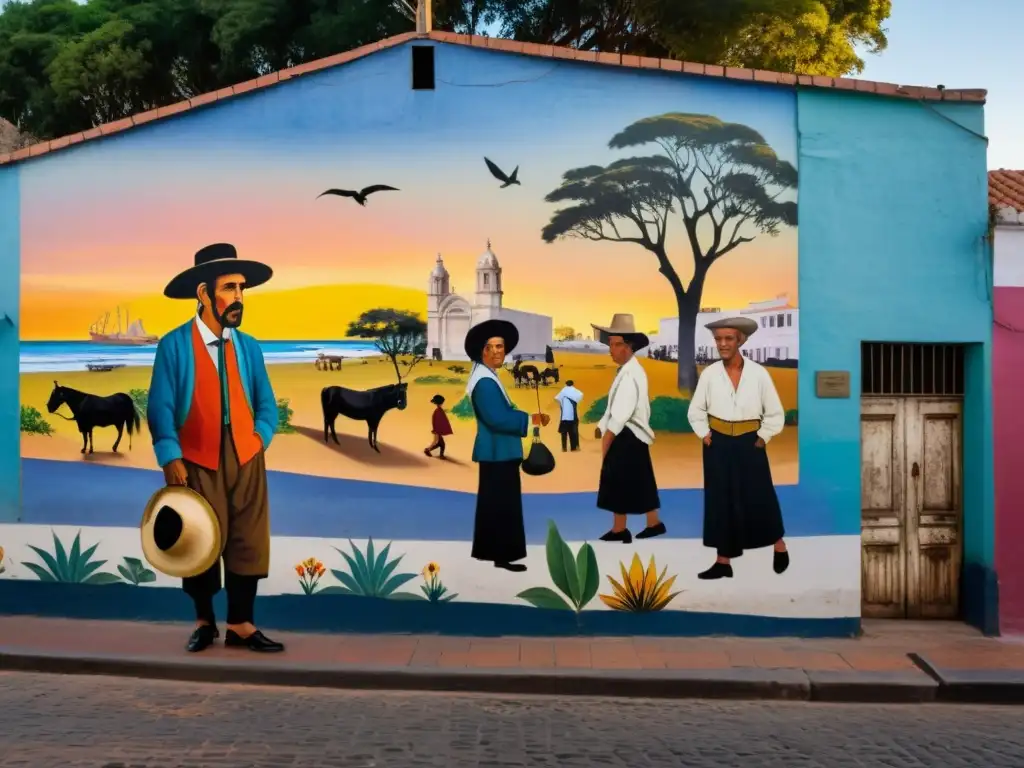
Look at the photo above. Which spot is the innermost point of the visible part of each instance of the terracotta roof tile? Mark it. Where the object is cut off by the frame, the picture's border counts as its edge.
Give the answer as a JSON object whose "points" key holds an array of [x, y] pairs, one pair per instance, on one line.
{"points": [[1006, 193], [510, 46]]}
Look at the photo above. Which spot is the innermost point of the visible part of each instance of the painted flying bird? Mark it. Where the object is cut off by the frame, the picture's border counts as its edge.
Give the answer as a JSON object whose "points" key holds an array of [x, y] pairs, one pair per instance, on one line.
{"points": [[361, 195], [499, 174]]}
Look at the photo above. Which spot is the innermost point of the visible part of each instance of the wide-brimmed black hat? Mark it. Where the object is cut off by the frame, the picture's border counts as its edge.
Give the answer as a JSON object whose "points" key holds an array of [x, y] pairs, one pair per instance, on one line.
{"points": [[437, 399], [212, 262], [476, 338]]}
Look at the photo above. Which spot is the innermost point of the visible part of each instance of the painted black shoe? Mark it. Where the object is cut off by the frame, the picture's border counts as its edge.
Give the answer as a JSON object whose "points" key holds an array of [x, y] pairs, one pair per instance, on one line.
{"points": [[651, 531], [780, 562], [257, 642], [624, 536], [201, 638], [514, 567], [716, 571]]}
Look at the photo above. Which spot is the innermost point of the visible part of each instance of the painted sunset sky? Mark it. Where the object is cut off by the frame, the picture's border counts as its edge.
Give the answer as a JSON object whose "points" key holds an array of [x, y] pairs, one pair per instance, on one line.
{"points": [[109, 223]]}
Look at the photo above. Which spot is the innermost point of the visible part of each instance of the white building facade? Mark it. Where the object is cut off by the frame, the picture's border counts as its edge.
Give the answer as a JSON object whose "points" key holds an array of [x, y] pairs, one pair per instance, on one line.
{"points": [[450, 316], [777, 337]]}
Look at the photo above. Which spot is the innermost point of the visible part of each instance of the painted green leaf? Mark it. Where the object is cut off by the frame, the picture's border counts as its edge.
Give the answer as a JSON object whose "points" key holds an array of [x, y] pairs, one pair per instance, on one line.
{"points": [[352, 567], [403, 596], [146, 576], [361, 571], [133, 562], [542, 597], [388, 570], [380, 565], [588, 574], [450, 597], [335, 591], [345, 578], [88, 570], [395, 582], [103, 578], [48, 561], [81, 566], [61, 556], [75, 560], [425, 591], [41, 573], [372, 568], [556, 559], [127, 575]]}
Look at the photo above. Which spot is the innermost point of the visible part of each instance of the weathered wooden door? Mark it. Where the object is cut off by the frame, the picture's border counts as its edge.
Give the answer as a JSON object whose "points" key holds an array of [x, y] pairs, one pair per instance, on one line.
{"points": [[910, 506]]}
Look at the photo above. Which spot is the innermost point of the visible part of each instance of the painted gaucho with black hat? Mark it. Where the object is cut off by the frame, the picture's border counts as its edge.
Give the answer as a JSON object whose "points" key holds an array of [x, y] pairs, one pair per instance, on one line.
{"points": [[499, 535], [212, 414]]}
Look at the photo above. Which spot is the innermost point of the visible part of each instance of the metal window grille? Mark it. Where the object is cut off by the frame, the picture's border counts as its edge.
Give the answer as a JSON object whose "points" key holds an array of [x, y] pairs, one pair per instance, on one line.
{"points": [[912, 369]]}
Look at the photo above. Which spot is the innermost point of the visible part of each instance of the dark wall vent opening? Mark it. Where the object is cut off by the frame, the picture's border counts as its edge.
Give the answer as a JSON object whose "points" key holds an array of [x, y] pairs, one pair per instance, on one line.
{"points": [[912, 369], [423, 67]]}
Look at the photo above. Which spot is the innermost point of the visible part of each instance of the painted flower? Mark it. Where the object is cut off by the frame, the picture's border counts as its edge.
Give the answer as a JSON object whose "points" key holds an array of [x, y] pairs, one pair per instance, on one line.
{"points": [[2, 569], [640, 591], [431, 570], [309, 570]]}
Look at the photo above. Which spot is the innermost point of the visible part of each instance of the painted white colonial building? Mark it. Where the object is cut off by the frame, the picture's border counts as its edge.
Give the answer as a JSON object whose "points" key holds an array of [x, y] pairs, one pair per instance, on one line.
{"points": [[450, 316], [778, 337]]}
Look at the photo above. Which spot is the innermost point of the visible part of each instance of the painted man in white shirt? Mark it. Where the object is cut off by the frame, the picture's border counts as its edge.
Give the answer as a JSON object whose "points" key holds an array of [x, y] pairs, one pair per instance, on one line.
{"points": [[569, 400], [735, 411], [628, 485]]}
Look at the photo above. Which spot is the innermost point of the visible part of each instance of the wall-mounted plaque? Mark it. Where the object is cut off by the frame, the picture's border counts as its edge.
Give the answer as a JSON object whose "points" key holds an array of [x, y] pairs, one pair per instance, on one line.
{"points": [[832, 383]]}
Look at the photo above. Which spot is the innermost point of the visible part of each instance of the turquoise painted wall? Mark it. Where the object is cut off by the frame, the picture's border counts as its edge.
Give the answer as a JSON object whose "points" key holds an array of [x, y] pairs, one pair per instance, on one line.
{"points": [[10, 292], [893, 208]]}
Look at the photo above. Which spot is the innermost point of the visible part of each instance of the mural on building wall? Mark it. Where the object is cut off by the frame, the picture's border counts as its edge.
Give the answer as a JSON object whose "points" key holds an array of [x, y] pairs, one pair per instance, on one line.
{"points": [[675, 210]]}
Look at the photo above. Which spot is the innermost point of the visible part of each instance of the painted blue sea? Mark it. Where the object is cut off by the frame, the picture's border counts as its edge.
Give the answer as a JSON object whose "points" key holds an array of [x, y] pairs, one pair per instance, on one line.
{"points": [[47, 356]]}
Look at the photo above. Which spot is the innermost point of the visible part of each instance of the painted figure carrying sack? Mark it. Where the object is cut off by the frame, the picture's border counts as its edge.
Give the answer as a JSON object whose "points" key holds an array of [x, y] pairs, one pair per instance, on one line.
{"points": [[540, 460]]}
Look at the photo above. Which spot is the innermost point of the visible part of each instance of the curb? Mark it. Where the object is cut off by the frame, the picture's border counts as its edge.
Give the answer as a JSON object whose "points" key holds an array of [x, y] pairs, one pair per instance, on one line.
{"points": [[974, 686], [735, 684]]}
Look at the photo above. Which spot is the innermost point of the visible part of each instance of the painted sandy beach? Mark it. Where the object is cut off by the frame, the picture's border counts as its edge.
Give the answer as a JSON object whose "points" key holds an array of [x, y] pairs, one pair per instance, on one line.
{"points": [[404, 434]]}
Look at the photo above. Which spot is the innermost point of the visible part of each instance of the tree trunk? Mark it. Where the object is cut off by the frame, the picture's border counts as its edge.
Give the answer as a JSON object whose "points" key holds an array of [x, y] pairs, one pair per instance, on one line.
{"points": [[686, 374], [688, 306]]}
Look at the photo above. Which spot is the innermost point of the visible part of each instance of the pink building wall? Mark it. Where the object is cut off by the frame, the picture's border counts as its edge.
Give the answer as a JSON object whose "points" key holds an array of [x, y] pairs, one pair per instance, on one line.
{"points": [[1008, 408]]}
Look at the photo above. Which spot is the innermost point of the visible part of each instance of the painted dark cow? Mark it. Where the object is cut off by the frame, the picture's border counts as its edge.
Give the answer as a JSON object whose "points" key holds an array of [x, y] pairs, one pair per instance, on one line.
{"points": [[91, 411], [361, 405]]}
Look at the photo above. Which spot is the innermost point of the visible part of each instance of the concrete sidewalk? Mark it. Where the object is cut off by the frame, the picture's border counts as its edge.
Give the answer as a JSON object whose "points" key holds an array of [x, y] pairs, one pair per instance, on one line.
{"points": [[892, 662]]}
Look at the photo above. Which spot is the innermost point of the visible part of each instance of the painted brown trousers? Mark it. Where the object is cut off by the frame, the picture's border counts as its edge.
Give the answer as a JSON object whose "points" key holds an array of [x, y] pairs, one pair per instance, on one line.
{"points": [[238, 494]]}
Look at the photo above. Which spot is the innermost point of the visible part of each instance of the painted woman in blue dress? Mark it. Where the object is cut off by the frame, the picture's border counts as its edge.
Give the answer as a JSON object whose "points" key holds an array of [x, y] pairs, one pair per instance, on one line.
{"points": [[499, 536]]}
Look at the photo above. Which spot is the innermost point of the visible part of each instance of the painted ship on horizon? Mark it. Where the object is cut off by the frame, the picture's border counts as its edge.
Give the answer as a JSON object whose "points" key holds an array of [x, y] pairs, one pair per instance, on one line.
{"points": [[135, 336]]}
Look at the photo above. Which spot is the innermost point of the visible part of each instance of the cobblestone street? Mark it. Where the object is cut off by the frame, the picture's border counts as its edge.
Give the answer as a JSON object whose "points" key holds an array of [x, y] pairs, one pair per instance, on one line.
{"points": [[50, 720]]}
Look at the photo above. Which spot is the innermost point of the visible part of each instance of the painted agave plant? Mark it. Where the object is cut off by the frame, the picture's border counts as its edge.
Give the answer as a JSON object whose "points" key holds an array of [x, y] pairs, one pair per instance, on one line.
{"points": [[74, 566], [371, 574], [640, 591]]}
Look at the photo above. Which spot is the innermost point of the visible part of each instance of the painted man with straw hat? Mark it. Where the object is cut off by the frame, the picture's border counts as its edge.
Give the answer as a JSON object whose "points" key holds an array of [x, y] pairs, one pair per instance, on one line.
{"points": [[628, 485], [735, 411], [212, 414]]}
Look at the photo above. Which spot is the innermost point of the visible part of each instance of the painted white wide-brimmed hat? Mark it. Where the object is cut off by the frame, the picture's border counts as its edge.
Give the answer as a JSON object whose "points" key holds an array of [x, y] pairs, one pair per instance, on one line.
{"points": [[180, 533], [744, 325], [622, 325]]}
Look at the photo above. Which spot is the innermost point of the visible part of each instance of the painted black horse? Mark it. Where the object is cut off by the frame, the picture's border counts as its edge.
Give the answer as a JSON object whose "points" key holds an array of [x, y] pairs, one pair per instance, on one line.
{"points": [[92, 411], [369, 406]]}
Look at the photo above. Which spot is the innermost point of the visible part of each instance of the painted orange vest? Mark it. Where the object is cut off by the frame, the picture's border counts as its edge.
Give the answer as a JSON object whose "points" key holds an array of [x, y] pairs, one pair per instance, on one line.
{"points": [[200, 436]]}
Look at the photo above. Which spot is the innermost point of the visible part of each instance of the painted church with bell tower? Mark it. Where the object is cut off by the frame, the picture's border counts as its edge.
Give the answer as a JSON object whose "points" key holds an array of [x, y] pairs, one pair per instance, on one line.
{"points": [[450, 316]]}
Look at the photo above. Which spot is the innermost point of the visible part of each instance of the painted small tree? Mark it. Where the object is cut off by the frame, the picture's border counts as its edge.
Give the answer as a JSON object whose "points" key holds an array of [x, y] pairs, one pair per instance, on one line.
{"points": [[722, 179], [396, 334]]}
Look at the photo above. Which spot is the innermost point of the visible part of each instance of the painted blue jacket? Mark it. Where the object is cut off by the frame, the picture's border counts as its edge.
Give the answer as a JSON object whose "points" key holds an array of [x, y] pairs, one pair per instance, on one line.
{"points": [[174, 375], [500, 427]]}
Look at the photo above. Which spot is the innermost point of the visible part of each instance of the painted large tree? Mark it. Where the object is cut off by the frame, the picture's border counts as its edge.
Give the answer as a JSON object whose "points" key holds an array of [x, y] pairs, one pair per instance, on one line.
{"points": [[721, 180]]}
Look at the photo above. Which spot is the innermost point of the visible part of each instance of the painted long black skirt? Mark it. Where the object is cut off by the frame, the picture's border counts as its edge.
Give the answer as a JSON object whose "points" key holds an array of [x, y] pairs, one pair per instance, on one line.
{"points": [[498, 533], [628, 485], [741, 508]]}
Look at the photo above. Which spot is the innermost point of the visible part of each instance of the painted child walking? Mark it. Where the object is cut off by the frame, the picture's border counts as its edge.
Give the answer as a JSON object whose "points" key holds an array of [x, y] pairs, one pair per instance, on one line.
{"points": [[439, 427]]}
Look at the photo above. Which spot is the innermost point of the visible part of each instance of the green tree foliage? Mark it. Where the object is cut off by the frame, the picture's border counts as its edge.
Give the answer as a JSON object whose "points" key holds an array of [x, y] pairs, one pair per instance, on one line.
{"points": [[398, 335], [67, 66], [721, 181]]}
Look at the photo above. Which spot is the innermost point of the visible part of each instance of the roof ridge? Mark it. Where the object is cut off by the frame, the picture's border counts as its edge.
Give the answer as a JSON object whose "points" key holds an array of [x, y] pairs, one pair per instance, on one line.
{"points": [[920, 93]]}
